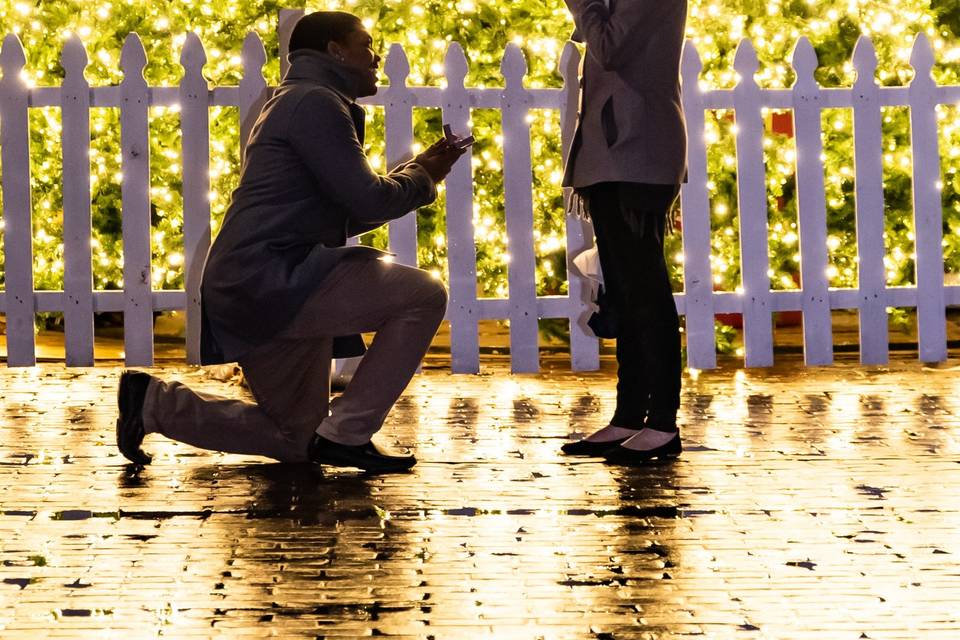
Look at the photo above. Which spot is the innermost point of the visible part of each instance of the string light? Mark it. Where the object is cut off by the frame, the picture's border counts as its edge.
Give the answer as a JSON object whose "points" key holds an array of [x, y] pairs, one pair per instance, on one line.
{"points": [[426, 27]]}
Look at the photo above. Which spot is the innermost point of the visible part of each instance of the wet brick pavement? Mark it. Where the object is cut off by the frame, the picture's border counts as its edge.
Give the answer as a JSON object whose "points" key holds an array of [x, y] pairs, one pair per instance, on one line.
{"points": [[810, 503]]}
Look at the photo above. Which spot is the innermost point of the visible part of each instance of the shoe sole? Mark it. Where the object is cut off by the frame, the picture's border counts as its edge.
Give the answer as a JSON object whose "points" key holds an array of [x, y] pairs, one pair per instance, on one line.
{"points": [[372, 471], [639, 458], [333, 462], [602, 447]]}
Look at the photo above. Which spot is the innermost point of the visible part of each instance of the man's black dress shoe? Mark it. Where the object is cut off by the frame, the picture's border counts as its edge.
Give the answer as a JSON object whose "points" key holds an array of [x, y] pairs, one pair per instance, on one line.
{"points": [[588, 448], [362, 456], [130, 395], [623, 455]]}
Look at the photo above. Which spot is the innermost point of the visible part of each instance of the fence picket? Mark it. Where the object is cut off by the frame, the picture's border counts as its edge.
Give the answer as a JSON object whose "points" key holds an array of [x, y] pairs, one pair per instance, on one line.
{"points": [[752, 206], [811, 200], [927, 205], [463, 311], [518, 201], [253, 87], [195, 125], [78, 268], [287, 21], [398, 120], [695, 211], [135, 198], [584, 346], [868, 164], [17, 216]]}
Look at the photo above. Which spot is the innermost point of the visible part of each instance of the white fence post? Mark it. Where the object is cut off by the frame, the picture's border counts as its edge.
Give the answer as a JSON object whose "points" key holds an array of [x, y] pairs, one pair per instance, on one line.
{"points": [[927, 205], [195, 125], [17, 218], [398, 122], [135, 197], [253, 87], [752, 206], [695, 210], [462, 310], [518, 200], [811, 203], [288, 20], [78, 269], [868, 164], [584, 346]]}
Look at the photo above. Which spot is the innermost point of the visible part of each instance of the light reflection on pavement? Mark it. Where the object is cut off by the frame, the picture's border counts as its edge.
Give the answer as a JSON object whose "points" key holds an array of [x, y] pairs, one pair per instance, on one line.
{"points": [[808, 503]]}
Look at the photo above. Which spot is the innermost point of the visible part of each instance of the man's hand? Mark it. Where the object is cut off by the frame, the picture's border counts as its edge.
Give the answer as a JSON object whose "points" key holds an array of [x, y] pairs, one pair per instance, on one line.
{"points": [[439, 158]]}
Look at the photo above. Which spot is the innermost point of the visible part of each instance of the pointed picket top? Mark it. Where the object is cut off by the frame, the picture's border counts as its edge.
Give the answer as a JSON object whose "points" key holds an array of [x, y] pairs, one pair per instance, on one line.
{"points": [[455, 65], [513, 66], [569, 64], [690, 63], [74, 58], [193, 56], [133, 57], [805, 63], [254, 56], [865, 61], [12, 57], [745, 62], [921, 58], [397, 66]]}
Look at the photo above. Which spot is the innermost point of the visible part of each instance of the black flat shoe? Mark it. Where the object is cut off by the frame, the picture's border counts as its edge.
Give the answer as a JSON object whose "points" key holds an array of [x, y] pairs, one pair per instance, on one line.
{"points": [[587, 448], [363, 456], [130, 395], [625, 456]]}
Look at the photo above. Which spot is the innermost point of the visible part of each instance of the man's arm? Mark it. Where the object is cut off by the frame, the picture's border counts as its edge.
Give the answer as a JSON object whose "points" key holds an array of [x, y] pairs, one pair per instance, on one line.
{"points": [[611, 36], [325, 137], [357, 227]]}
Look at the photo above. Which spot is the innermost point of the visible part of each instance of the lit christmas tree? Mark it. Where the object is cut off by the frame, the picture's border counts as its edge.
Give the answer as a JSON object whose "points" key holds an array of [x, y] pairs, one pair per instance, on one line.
{"points": [[484, 27]]}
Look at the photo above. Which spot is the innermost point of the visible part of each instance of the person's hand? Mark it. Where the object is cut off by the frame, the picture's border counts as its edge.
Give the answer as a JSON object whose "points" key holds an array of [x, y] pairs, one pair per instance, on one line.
{"points": [[437, 147], [439, 158]]}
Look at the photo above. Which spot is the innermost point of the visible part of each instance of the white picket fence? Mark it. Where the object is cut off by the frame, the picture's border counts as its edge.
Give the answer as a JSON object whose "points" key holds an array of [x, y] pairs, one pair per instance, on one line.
{"points": [[699, 303], [756, 301]]}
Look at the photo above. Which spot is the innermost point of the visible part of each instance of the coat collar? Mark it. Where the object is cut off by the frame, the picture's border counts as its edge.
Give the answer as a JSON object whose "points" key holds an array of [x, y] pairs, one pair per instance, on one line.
{"points": [[316, 66]]}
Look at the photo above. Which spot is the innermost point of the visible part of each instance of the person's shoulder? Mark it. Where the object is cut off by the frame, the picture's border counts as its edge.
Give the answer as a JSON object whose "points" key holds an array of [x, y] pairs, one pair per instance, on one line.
{"points": [[318, 104], [289, 97], [306, 106], [317, 96]]}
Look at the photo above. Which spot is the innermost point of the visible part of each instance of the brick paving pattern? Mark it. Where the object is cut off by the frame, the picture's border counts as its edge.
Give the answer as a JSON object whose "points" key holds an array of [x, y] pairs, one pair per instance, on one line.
{"points": [[809, 503]]}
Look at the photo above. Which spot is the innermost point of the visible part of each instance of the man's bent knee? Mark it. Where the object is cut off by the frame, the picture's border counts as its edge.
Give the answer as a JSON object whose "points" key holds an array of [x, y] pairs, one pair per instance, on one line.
{"points": [[428, 291], [439, 297]]}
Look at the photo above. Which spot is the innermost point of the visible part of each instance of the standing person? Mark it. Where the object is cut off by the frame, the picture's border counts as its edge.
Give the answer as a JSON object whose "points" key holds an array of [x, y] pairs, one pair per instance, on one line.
{"points": [[282, 294], [626, 164]]}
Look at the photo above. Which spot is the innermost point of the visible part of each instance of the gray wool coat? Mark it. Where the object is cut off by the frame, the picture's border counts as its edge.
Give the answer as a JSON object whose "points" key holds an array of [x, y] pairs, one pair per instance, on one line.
{"points": [[305, 187], [630, 126]]}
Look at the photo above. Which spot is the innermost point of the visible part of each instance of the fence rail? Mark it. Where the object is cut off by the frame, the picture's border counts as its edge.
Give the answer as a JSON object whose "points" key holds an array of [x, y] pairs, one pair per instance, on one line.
{"points": [[699, 303]]}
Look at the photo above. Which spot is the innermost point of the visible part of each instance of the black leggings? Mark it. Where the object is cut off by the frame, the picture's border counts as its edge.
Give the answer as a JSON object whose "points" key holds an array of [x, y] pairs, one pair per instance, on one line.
{"points": [[629, 221]]}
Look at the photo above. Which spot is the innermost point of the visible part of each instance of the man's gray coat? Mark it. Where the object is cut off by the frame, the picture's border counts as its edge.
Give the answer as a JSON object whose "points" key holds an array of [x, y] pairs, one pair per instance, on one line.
{"points": [[630, 126], [304, 189]]}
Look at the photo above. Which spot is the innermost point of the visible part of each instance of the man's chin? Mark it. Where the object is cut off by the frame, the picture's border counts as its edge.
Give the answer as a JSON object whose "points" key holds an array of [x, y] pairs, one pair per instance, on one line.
{"points": [[367, 90]]}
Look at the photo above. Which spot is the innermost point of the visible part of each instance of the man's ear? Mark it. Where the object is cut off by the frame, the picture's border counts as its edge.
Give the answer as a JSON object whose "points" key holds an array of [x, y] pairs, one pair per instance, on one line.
{"points": [[335, 50]]}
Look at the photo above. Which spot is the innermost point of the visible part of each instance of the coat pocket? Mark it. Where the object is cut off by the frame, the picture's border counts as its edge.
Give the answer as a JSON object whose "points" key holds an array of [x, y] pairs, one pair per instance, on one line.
{"points": [[608, 122]]}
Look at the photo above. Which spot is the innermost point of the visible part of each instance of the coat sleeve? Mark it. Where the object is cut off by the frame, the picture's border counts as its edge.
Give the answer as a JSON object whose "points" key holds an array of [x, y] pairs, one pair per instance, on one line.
{"points": [[357, 227], [612, 35], [323, 133]]}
